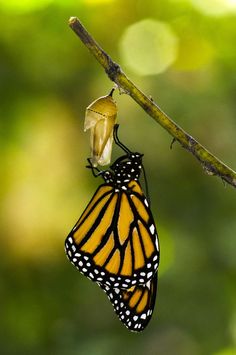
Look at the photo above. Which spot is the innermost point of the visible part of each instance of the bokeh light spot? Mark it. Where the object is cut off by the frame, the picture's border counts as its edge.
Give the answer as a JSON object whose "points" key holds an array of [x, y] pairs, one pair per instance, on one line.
{"points": [[149, 47], [215, 7], [23, 6], [41, 174]]}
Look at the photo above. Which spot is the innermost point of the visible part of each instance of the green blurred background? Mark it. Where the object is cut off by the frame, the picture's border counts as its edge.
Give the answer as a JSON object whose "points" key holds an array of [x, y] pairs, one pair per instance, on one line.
{"points": [[182, 53]]}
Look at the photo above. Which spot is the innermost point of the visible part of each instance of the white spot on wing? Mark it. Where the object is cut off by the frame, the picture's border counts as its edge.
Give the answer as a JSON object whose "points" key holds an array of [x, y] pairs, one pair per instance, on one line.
{"points": [[156, 242], [152, 229], [148, 284]]}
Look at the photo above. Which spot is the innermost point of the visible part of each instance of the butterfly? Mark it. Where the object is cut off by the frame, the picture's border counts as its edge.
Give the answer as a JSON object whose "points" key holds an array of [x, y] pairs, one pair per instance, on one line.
{"points": [[115, 242]]}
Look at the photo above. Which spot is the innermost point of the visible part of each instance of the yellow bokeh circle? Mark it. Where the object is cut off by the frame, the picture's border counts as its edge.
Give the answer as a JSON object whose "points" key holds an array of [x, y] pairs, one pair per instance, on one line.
{"points": [[149, 47]]}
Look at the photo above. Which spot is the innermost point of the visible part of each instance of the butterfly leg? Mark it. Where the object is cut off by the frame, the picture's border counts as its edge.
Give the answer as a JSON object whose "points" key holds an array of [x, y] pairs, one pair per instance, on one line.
{"points": [[95, 171]]}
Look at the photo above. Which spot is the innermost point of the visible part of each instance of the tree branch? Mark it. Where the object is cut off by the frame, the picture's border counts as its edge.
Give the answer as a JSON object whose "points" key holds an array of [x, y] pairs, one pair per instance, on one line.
{"points": [[211, 164]]}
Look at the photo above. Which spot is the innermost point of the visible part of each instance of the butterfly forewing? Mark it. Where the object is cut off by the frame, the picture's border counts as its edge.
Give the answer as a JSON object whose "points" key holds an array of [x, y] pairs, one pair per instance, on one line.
{"points": [[115, 240]]}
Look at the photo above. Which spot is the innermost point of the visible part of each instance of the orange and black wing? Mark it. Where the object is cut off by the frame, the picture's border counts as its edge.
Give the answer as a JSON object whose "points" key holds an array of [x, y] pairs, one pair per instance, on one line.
{"points": [[134, 306], [115, 240]]}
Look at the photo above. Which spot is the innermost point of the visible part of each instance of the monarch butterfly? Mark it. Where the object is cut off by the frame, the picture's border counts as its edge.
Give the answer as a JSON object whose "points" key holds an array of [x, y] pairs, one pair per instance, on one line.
{"points": [[115, 241], [134, 306]]}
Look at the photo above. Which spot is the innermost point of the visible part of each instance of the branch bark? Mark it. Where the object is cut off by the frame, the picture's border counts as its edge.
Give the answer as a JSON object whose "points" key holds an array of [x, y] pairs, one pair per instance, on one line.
{"points": [[211, 164]]}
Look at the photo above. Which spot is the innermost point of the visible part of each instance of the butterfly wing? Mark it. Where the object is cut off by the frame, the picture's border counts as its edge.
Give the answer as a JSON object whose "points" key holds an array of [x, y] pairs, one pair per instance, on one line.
{"points": [[115, 240], [134, 306]]}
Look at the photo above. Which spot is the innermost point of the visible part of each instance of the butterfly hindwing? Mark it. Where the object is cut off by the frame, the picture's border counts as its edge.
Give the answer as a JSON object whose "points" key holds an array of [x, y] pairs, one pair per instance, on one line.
{"points": [[134, 306]]}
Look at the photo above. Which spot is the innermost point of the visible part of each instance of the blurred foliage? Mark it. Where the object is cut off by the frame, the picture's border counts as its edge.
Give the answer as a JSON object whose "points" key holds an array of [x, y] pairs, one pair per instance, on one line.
{"points": [[47, 80]]}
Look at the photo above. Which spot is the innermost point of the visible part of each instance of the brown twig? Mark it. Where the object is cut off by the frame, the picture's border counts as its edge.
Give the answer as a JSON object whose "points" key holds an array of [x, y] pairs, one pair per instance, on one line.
{"points": [[211, 164]]}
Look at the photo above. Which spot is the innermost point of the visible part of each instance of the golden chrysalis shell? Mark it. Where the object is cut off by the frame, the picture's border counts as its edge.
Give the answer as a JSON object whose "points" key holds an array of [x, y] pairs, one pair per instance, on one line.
{"points": [[100, 118]]}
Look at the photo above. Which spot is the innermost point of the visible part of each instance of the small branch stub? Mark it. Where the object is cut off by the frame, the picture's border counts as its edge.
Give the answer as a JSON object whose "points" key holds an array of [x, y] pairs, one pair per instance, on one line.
{"points": [[210, 163]]}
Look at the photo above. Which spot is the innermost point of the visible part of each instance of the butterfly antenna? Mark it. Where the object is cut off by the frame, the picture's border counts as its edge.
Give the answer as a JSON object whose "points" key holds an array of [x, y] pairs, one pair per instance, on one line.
{"points": [[146, 185], [118, 142]]}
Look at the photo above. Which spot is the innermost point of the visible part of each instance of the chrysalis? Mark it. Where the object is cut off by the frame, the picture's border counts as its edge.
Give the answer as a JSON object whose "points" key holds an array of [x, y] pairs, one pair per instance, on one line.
{"points": [[100, 118]]}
